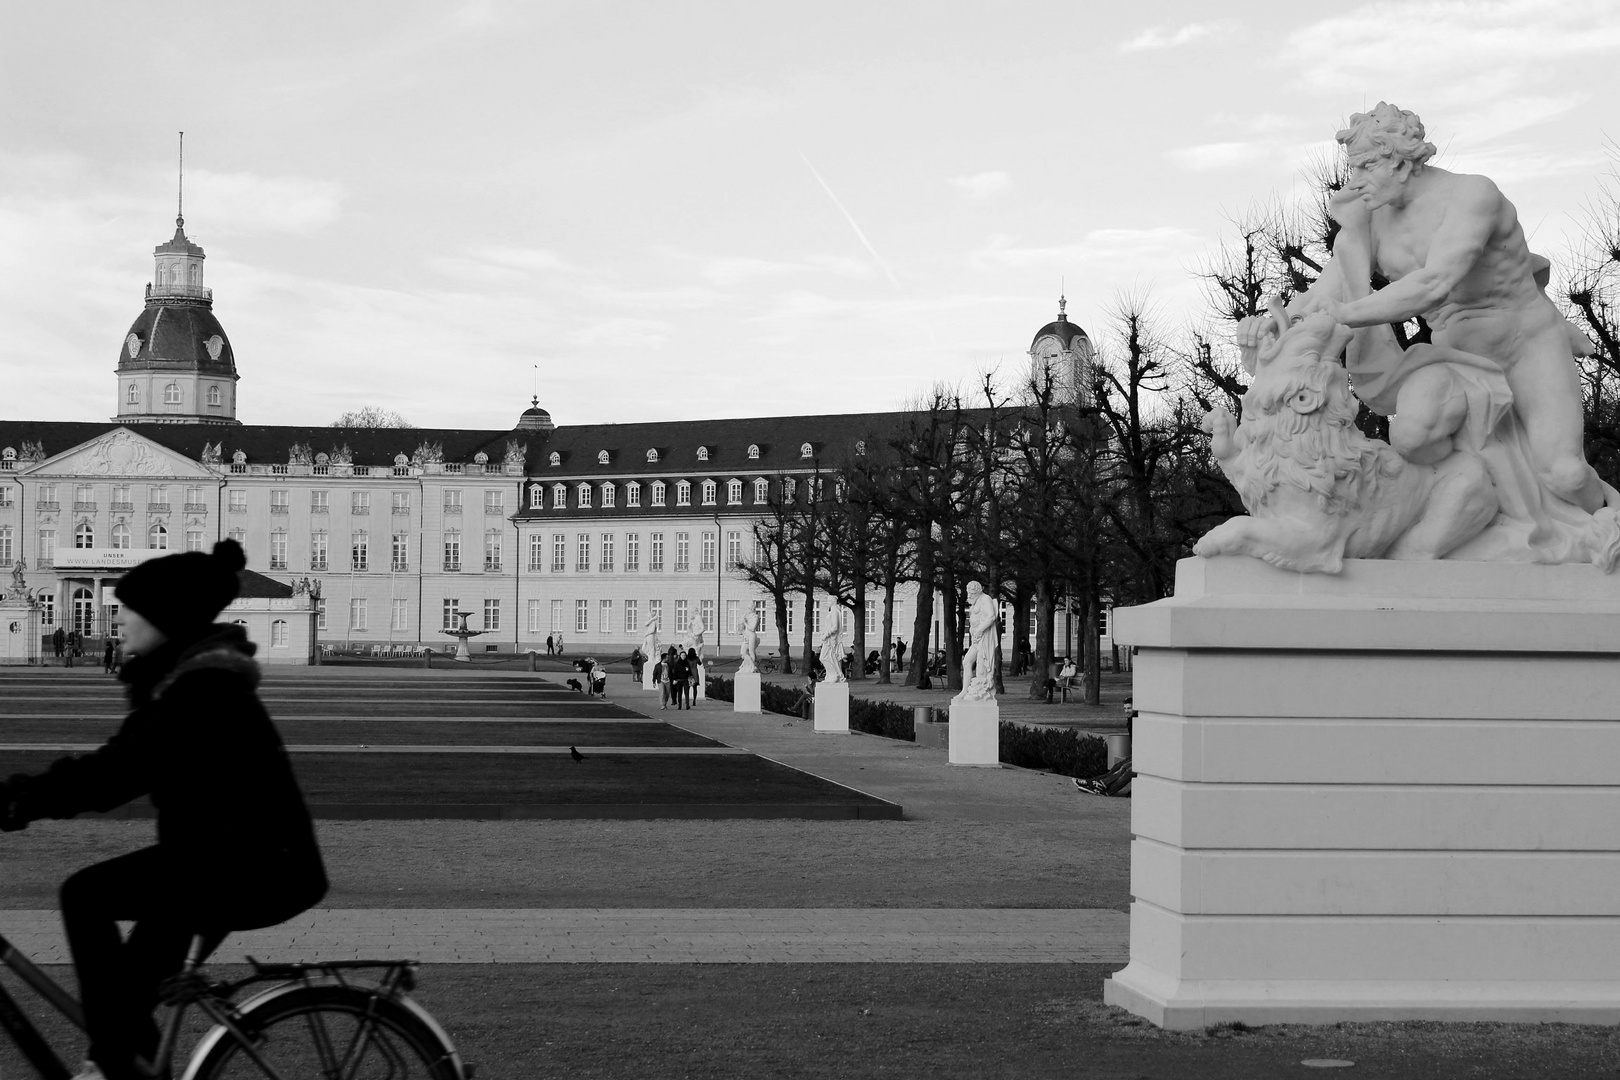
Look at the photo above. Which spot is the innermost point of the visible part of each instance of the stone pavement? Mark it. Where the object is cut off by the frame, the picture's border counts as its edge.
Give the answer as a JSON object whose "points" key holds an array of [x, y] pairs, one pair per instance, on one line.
{"points": [[657, 936]]}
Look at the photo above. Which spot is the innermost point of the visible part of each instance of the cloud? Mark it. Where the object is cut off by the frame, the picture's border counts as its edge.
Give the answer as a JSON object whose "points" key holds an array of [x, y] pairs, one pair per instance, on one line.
{"points": [[236, 204], [1161, 37], [1133, 247], [982, 185], [1215, 157], [730, 271]]}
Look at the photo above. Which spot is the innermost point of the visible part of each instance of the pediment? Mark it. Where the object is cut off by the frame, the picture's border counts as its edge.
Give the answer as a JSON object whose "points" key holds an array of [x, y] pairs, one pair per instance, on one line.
{"points": [[121, 452]]}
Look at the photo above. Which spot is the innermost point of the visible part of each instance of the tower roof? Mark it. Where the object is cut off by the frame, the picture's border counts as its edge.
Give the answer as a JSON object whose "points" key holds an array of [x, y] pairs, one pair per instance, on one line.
{"points": [[1061, 328], [180, 245], [175, 335]]}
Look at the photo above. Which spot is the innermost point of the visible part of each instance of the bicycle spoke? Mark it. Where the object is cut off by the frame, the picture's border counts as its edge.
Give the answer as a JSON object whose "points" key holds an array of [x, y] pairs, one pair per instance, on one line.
{"points": [[330, 1067]]}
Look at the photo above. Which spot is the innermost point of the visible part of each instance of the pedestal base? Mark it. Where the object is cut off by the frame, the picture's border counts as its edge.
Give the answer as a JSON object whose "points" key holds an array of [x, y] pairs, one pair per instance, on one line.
{"points": [[975, 734], [701, 688], [647, 676], [1387, 794], [832, 707], [745, 693]]}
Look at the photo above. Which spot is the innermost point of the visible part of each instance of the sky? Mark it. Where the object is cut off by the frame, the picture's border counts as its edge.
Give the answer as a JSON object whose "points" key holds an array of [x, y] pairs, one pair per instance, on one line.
{"points": [[652, 211]]}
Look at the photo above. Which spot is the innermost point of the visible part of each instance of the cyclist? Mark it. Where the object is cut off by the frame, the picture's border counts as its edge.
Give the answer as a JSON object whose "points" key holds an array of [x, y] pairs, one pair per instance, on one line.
{"points": [[236, 848]]}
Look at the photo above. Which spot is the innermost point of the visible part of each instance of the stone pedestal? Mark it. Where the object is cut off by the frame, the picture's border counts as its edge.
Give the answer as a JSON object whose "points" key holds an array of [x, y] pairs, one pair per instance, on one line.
{"points": [[745, 693], [701, 688], [975, 734], [832, 707], [19, 633], [647, 676], [1382, 795]]}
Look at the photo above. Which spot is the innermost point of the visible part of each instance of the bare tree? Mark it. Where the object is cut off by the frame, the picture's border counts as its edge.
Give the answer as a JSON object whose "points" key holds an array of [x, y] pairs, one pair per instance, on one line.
{"points": [[372, 417]]}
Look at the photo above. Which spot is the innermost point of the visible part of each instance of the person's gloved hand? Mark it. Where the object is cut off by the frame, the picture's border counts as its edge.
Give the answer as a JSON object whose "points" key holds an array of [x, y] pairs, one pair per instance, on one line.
{"points": [[11, 817]]}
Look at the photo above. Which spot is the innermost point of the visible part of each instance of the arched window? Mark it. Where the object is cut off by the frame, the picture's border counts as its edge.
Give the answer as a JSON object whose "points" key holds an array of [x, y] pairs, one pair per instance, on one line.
{"points": [[709, 489], [753, 451], [632, 493], [537, 498], [134, 394], [556, 459], [213, 395], [120, 536], [733, 492], [762, 491], [84, 537], [584, 496], [703, 453], [84, 611], [602, 457], [157, 538], [171, 394], [807, 450], [194, 274], [652, 455], [559, 497], [683, 493], [658, 493], [607, 496], [278, 634]]}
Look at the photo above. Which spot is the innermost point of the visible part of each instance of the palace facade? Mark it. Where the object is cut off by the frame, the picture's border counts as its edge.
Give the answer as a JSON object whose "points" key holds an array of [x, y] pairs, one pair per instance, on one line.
{"points": [[582, 531]]}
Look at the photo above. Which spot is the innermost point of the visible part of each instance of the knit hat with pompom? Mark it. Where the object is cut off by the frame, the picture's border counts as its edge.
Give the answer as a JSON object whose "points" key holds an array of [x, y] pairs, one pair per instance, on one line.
{"points": [[181, 594]]}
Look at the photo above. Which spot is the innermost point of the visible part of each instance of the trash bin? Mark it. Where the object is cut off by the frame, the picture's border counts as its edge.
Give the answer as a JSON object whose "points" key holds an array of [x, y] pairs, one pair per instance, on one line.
{"points": [[922, 714], [1119, 748]]}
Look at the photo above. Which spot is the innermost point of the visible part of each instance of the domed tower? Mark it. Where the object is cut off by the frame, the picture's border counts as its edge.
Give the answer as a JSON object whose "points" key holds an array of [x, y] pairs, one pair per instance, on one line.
{"points": [[536, 419], [1063, 349], [176, 364]]}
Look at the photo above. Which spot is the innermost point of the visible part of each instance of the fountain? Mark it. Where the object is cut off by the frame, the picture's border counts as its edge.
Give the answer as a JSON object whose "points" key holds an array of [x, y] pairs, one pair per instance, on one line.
{"points": [[462, 634]]}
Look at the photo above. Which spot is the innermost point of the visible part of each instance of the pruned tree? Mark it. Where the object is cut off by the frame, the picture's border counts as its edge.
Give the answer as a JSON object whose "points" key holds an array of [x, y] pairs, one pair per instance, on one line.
{"points": [[372, 416]]}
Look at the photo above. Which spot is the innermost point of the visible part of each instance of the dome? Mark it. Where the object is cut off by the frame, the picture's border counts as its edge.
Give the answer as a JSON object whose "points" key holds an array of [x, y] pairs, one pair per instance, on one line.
{"points": [[184, 333], [1061, 328], [535, 419]]}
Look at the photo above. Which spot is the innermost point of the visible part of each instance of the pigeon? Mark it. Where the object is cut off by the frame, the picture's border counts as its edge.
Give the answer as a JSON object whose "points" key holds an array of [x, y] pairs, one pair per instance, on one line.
{"points": [[575, 754]]}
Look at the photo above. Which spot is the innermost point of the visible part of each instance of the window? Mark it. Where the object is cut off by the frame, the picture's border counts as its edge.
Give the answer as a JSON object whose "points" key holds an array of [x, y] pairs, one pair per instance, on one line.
{"points": [[683, 617], [278, 634], [171, 394], [632, 551], [213, 395], [871, 617], [683, 551], [5, 545], [607, 496], [632, 625], [534, 609], [6, 500], [604, 617], [788, 609], [753, 451], [632, 494], [655, 611], [193, 539], [399, 552], [492, 614], [357, 613], [658, 493], [494, 502], [47, 616], [278, 550], [733, 550], [709, 489], [732, 608], [607, 552], [317, 549], [400, 503], [84, 537], [556, 616], [815, 619], [733, 492], [582, 556], [559, 497], [652, 455], [402, 614], [359, 502], [584, 499], [655, 553], [537, 551], [120, 537], [706, 611], [452, 605], [319, 502], [559, 553], [121, 498], [761, 608], [47, 547], [710, 542], [157, 538], [134, 394], [790, 488], [238, 534], [452, 551], [683, 493], [703, 453], [537, 498], [360, 551], [47, 495], [238, 503], [807, 451], [278, 500], [603, 457], [320, 613], [452, 501], [492, 550], [762, 491], [582, 616]]}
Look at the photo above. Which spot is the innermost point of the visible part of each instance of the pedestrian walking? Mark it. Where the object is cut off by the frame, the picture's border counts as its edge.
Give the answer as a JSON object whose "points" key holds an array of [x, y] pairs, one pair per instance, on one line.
{"points": [[550, 645], [661, 680], [899, 654], [72, 647], [107, 657], [559, 645], [59, 641], [677, 676]]}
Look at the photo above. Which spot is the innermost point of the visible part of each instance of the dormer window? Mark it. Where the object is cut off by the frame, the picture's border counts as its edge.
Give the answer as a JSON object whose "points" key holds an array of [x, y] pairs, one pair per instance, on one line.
{"points": [[584, 496], [807, 451], [632, 493], [683, 493], [602, 457], [658, 493], [709, 489], [733, 492], [703, 453], [652, 456], [559, 497], [762, 491], [607, 496], [537, 498], [860, 448], [556, 459], [753, 451]]}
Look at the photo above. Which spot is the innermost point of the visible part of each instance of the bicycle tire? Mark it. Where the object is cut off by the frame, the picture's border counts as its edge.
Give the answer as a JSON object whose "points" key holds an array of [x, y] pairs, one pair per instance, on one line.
{"points": [[326, 1032]]}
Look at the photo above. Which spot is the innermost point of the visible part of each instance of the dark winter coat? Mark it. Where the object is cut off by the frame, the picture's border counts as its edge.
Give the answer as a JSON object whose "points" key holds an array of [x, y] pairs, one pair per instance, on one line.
{"points": [[203, 747]]}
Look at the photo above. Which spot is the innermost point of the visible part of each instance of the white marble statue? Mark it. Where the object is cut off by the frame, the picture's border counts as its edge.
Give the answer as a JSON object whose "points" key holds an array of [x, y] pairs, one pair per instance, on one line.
{"points": [[649, 639], [831, 649], [750, 645], [1498, 384], [694, 635], [979, 662]]}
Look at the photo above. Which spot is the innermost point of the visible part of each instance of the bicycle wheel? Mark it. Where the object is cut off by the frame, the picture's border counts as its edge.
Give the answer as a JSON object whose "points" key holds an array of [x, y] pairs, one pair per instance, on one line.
{"points": [[328, 1032]]}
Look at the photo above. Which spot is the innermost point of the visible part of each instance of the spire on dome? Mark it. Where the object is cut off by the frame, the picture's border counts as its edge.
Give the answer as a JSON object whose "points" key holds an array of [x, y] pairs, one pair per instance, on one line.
{"points": [[1063, 304], [180, 194]]}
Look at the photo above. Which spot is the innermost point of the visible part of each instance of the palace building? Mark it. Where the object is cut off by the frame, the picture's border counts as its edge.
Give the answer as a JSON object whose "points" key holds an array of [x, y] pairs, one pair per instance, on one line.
{"points": [[390, 533]]}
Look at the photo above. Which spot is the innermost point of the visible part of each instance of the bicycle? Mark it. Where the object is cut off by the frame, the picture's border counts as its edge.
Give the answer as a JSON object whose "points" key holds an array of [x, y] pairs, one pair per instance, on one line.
{"points": [[316, 1021]]}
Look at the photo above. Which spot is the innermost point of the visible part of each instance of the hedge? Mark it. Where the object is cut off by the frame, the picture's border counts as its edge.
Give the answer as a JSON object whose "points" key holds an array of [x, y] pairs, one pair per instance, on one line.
{"points": [[873, 717]]}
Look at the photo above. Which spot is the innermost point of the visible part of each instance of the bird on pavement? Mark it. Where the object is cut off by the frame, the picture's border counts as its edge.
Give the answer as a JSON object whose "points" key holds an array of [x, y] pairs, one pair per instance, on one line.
{"points": [[575, 754]]}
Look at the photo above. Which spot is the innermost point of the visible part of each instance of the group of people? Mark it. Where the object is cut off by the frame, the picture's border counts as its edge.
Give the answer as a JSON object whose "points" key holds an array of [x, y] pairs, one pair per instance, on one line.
{"points": [[68, 645], [554, 644], [676, 674]]}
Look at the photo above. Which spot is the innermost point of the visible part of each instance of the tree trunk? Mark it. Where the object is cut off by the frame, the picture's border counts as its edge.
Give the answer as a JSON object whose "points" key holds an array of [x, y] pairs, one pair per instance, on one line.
{"points": [[925, 605], [951, 631], [857, 668], [1020, 618], [884, 671], [1040, 661], [782, 633], [809, 629]]}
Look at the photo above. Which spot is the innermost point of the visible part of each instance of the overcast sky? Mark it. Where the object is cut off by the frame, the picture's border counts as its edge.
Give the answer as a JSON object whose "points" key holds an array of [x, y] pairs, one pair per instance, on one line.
{"points": [[704, 209]]}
